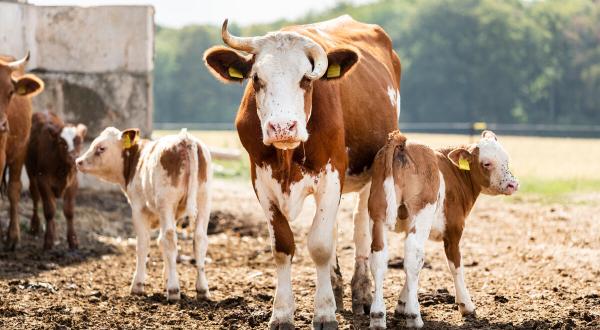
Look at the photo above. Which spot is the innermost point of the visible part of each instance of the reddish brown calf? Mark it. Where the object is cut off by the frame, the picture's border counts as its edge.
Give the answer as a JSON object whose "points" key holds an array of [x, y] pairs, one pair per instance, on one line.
{"points": [[50, 165]]}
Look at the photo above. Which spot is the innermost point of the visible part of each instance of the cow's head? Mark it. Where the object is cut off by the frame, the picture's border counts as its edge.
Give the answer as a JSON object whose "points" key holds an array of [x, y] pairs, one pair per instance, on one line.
{"points": [[282, 67], [71, 139], [13, 83], [488, 163], [104, 158]]}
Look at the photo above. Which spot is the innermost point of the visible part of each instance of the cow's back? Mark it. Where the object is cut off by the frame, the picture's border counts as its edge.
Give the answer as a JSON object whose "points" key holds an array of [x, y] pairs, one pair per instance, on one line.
{"points": [[370, 92]]}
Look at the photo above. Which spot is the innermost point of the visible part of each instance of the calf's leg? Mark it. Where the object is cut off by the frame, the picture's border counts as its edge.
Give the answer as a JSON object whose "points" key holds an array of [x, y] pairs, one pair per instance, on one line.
{"points": [[49, 203], [142, 231], [201, 241], [34, 228], [167, 240], [414, 257], [452, 249], [69, 211], [361, 282], [379, 260]]}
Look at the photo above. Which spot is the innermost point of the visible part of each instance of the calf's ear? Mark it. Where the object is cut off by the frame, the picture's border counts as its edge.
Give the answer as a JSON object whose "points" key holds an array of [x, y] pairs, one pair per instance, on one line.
{"points": [[81, 130], [28, 85], [461, 158], [129, 137], [341, 61], [489, 135], [228, 65]]}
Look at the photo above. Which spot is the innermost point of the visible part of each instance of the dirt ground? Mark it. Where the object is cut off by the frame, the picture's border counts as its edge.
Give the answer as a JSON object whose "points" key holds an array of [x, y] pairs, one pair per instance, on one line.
{"points": [[529, 265]]}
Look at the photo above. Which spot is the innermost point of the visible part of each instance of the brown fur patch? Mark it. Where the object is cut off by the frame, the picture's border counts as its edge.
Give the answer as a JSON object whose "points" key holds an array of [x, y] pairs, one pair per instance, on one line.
{"points": [[174, 159], [131, 157], [202, 166], [284, 238]]}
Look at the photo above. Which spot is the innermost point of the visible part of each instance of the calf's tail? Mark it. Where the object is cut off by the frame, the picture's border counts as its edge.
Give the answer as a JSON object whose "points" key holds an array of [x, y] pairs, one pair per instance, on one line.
{"points": [[191, 206]]}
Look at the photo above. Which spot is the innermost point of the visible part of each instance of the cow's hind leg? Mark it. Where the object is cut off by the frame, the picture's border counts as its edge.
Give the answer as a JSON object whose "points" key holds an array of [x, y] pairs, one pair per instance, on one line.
{"points": [[452, 249], [14, 194], [361, 282], [337, 282], [414, 257], [167, 240], [201, 240], [321, 246]]}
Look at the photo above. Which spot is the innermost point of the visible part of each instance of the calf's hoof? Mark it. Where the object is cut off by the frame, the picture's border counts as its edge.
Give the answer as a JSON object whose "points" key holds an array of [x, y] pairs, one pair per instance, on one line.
{"points": [[467, 309], [360, 308], [73, 243], [137, 289], [414, 321], [10, 245], [325, 325], [399, 308], [377, 321], [202, 294], [281, 326], [338, 293], [173, 294]]}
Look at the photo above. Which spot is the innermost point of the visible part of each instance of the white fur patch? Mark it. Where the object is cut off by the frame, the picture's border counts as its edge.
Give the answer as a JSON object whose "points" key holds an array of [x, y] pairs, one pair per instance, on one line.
{"points": [[391, 211], [68, 133]]}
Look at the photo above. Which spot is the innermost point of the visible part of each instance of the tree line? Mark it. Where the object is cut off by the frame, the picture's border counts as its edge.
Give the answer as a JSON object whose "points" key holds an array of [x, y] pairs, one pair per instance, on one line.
{"points": [[508, 61]]}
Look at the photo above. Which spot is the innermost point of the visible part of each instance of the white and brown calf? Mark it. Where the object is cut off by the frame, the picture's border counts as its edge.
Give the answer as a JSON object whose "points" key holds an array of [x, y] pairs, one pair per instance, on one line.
{"points": [[429, 194], [164, 180]]}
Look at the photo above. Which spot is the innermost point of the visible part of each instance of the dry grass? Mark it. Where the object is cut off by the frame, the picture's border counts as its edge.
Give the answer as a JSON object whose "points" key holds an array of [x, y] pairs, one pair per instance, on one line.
{"points": [[547, 166]]}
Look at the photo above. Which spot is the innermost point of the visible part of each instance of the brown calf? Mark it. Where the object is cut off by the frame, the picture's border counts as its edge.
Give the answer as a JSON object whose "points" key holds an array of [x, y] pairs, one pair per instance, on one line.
{"points": [[50, 164], [15, 123], [429, 194]]}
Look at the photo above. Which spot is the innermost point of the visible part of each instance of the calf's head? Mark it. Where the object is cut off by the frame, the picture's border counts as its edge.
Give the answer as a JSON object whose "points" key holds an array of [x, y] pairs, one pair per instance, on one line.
{"points": [[281, 67], [70, 140], [487, 162], [105, 156], [13, 83]]}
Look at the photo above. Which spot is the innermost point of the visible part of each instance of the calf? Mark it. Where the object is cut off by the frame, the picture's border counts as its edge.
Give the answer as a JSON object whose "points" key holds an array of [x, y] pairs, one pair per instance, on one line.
{"points": [[16, 88], [50, 165], [164, 180], [427, 193]]}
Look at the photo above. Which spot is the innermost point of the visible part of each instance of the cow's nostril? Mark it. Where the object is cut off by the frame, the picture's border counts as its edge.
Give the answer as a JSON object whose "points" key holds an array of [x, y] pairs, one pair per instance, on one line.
{"points": [[292, 126]]}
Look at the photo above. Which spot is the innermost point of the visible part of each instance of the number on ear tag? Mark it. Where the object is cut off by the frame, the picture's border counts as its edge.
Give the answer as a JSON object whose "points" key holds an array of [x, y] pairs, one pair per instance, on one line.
{"points": [[334, 71], [463, 164], [235, 73]]}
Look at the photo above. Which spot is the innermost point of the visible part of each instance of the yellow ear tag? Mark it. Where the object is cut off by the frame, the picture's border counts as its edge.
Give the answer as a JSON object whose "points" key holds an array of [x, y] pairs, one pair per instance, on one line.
{"points": [[235, 73], [126, 142], [463, 164], [334, 71]]}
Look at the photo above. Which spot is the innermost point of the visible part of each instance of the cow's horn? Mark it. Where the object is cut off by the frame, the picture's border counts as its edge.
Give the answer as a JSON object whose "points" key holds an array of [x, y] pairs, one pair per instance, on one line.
{"points": [[246, 44], [15, 65], [319, 57]]}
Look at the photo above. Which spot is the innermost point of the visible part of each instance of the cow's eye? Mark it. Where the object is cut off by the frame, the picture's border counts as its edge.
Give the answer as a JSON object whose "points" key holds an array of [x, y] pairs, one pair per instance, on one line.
{"points": [[487, 165], [100, 150]]}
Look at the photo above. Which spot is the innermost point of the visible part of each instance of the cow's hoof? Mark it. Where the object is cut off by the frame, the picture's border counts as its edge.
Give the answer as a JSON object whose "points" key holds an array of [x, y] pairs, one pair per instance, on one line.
{"points": [[326, 325], [173, 294], [338, 293], [414, 321], [377, 321], [467, 309], [399, 308], [360, 308], [202, 294], [281, 326], [10, 246], [137, 289]]}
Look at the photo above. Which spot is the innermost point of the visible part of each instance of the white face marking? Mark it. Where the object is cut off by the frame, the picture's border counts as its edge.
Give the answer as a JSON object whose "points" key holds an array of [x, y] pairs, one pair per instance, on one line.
{"points": [[281, 65], [68, 133], [492, 152]]}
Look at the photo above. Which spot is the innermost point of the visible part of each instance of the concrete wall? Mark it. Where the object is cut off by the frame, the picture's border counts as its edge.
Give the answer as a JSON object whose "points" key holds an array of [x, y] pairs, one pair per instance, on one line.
{"points": [[97, 62]]}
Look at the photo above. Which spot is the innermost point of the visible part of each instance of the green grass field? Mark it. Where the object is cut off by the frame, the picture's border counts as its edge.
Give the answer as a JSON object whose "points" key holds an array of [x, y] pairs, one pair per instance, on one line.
{"points": [[551, 168]]}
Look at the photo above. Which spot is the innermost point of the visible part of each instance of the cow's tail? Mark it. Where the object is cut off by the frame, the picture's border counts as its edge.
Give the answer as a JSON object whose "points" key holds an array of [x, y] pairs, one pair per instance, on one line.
{"points": [[191, 206], [4, 181]]}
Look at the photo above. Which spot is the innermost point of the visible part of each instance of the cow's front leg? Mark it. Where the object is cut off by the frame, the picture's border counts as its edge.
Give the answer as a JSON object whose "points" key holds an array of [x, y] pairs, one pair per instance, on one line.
{"points": [[361, 282], [321, 247], [167, 240], [14, 195], [142, 231], [414, 257]]}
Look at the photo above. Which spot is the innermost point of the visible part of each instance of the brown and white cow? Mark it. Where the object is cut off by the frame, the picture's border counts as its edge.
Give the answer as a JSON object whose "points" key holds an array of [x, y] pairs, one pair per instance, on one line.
{"points": [[50, 164], [429, 194], [16, 88], [320, 101], [164, 180]]}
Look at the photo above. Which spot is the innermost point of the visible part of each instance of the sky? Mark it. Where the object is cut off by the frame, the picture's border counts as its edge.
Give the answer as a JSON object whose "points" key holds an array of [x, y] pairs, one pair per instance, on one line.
{"points": [[177, 13]]}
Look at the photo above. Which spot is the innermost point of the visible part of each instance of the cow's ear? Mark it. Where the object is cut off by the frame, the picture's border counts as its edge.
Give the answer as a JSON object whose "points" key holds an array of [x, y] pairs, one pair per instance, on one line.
{"points": [[341, 61], [461, 158], [28, 85], [81, 130], [228, 65], [489, 135], [129, 137]]}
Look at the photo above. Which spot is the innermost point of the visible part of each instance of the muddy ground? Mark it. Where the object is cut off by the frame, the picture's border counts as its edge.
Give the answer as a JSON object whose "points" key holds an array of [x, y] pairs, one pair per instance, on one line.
{"points": [[529, 265]]}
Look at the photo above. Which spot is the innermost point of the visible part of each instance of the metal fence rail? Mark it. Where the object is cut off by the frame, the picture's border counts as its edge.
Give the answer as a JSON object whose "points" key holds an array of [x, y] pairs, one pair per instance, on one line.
{"points": [[587, 131]]}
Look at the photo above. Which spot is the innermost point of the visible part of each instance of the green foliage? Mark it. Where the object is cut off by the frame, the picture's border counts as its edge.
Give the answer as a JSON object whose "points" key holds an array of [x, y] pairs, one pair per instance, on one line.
{"points": [[466, 60]]}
